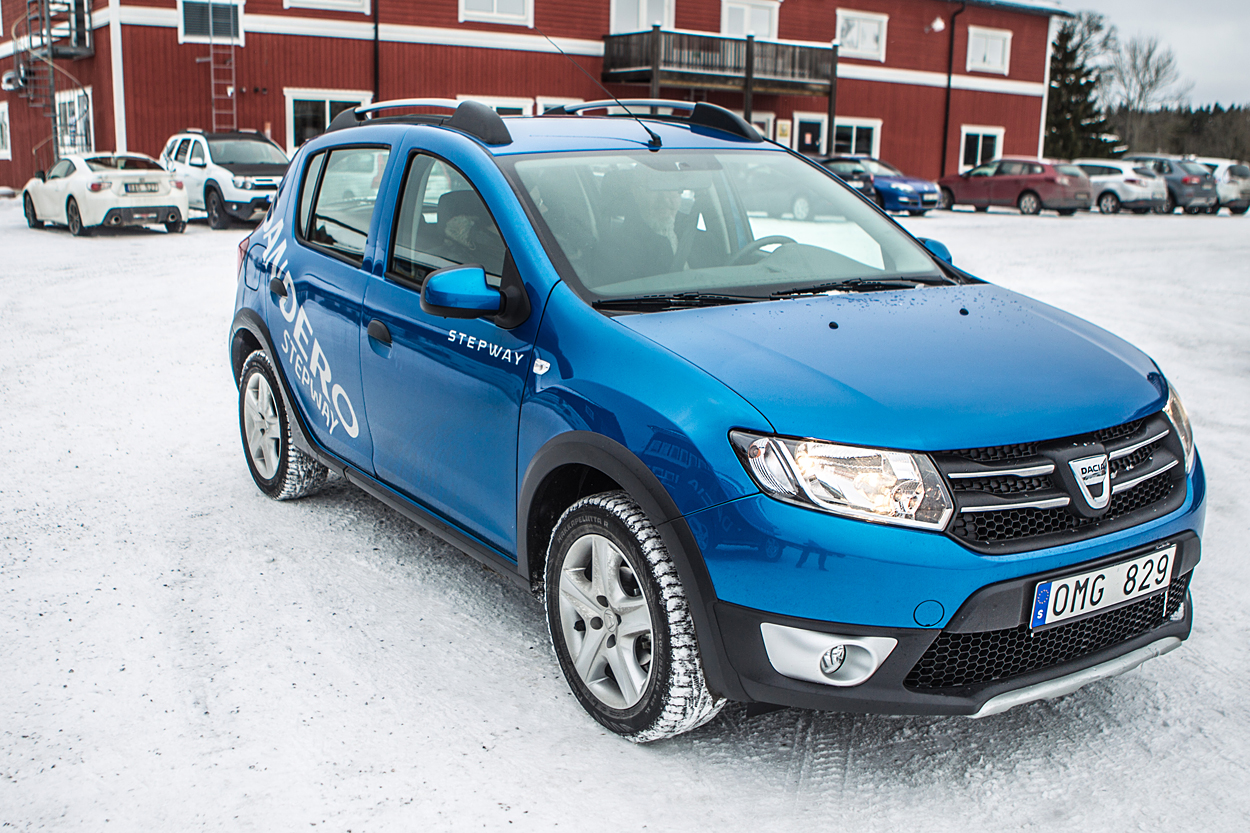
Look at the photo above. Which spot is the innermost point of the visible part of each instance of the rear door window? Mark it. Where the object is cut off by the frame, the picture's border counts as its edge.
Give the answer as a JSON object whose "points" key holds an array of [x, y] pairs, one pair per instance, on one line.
{"points": [[197, 152], [342, 207], [1241, 171]]}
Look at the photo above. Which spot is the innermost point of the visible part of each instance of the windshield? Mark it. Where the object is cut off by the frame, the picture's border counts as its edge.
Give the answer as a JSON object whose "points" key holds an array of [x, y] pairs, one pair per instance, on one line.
{"points": [[749, 223], [245, 152], [122, 163], [879, 168]]}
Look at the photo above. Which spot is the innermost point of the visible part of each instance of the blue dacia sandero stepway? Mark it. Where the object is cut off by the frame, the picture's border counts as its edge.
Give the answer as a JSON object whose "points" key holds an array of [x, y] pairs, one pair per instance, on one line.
{"points": [[802, 462]]}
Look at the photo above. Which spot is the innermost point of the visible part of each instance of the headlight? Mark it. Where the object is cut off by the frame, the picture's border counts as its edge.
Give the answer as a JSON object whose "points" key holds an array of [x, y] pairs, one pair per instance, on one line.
{"points": [[246, 183], [903, 186], [869, 484], [1180, 421]]}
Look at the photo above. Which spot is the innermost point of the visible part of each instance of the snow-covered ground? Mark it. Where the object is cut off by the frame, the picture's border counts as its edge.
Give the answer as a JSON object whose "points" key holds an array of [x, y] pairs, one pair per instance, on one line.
{"points": [[181, 653]]}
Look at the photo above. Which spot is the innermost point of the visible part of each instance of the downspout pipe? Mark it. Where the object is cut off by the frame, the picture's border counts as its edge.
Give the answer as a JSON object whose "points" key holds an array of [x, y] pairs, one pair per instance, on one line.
{"points": [[377, 75], [950, 70]]}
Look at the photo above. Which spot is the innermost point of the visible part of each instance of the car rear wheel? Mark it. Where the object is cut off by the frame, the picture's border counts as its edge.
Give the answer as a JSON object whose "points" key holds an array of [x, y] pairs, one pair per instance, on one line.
{"points": [[947, 199], [1241, 210], [801, 208], [73, 219], [177, 227], [1109, 203], [28, 206], [1029, 203], [1066, 212], [217, 216], [620, 622], [917, 213], [1169, 205], [1195, 209], [280, 470]]}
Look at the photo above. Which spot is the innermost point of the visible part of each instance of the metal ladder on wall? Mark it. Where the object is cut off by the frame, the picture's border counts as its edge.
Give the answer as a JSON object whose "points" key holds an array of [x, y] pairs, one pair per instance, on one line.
{"points": [[221, 70], [52, 29]]}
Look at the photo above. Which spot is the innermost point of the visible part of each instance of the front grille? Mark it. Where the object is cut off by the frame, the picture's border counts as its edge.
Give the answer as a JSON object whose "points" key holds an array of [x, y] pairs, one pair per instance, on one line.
{"points": [[956, 660], [1011, 498]]}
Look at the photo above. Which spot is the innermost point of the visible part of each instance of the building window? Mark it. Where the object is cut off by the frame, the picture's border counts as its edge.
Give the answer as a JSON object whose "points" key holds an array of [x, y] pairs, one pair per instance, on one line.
{"points": [[223, 25], [739, 18], [361, 6], [549, 102], [861, 34], [857, 136], [809, 133], [503, 106], [980, 145], [636, 15], [6, 149], [309, 112], [989, 50], [518, 12], [73, 121]]}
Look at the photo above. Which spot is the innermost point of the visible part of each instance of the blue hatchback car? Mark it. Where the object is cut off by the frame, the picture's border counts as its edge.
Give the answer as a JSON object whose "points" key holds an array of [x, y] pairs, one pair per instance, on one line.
{"points": [[761, 459]]}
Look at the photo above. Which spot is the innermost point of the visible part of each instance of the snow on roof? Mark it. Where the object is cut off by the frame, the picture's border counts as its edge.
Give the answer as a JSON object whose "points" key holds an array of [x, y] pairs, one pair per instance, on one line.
{"points": [[1050, 7]]}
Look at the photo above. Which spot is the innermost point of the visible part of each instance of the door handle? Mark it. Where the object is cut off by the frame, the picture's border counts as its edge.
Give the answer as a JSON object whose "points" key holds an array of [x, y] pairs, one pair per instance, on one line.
{"points": [[378, 332], [277, 287]]}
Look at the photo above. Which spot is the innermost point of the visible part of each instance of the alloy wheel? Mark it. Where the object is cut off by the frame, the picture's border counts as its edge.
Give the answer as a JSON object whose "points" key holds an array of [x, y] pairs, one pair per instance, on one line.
{"points": [[262, 426]]}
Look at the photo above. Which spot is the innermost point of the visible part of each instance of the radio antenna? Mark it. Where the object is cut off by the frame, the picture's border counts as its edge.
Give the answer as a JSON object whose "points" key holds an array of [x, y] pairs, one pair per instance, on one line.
{"points": [[654, 142]]}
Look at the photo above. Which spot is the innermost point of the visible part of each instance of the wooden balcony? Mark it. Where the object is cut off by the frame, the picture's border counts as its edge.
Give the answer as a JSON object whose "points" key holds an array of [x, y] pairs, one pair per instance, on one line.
{"points": [[688, 59]]}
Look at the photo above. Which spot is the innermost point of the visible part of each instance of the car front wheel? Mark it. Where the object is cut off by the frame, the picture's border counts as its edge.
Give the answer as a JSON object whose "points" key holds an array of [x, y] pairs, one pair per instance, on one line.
{"points": [[620, 622], [1109, 203], [217, 216], [801, 208], [28, 206], [280, 470]]}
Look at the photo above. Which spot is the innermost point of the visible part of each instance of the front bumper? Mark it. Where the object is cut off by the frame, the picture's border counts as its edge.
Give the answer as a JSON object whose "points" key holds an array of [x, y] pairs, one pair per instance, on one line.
{"points": [[247, 209], [917, 201]]}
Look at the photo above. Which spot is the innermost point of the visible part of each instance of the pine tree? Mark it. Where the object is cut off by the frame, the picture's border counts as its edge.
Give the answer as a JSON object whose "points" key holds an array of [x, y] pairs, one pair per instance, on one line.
{"points": [[1075, 126]]}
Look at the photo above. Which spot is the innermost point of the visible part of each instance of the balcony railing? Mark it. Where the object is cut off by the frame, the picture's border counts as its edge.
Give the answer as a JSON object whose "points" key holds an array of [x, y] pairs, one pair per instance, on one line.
{"points": [[688, 59]]}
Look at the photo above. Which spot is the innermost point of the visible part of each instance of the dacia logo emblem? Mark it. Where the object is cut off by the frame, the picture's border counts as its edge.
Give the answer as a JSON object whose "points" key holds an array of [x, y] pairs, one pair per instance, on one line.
{"points": [[1093, 476]]}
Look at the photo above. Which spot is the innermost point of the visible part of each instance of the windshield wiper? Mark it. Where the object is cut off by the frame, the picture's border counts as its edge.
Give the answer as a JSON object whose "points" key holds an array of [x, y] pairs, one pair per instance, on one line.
{"points": [[675, 301], [861, 285]]}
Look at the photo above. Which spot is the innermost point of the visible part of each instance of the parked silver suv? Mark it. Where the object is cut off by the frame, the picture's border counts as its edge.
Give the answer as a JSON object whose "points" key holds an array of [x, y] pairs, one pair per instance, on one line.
{"points": [[1190, 185], [1232, 183], [228, 175], [1116, 184]]}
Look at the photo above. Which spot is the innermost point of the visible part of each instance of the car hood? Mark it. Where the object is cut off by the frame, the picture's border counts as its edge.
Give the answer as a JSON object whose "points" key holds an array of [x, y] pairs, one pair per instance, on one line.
{"points": [[255, 170], [911, 369], [915, 182]]}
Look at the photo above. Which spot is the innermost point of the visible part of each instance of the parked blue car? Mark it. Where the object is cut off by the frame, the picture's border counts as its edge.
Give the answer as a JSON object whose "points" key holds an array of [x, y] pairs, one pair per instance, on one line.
{"points": [[741, 458], [894, 190]]}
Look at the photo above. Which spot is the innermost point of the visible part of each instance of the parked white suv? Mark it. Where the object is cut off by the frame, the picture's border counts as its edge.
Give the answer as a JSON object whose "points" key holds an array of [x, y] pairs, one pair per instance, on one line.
{"points": [[1115, 184], [228, 175], [1232, 183]]}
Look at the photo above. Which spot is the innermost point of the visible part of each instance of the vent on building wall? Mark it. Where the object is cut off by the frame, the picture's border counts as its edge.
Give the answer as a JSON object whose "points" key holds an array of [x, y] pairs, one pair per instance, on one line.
{"points": [[218, 20]]}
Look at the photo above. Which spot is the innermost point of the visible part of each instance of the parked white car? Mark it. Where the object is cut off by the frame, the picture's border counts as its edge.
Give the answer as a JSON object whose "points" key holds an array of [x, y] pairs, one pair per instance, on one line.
{"points": [[1232, 183], [1116, 184], [83, 191], [228, 175]]}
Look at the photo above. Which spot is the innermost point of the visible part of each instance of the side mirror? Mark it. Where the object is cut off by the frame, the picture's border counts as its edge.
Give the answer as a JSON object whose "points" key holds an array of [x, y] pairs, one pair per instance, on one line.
{"points": [[938, 249], [460, 292], [198, 164], [41, 176]]}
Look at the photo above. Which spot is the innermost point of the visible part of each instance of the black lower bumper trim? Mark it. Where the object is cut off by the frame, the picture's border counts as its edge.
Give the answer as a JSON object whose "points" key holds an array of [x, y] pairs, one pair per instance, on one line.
{"points": [[142, 216]]}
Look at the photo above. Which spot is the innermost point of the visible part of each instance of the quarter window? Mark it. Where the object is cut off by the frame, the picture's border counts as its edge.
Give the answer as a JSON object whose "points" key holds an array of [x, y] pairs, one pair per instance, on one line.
{"points": [[183, 149], [443, 222], [346, 193], [989, 50], [862, 34]]}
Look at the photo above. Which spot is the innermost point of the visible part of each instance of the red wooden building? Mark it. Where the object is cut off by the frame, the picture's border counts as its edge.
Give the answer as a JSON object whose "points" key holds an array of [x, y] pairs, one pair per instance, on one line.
{"points": [[930, 85]]}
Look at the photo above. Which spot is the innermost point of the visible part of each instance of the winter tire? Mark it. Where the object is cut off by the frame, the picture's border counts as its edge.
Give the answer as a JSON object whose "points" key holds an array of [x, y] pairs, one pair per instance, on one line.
{"points": [[280, 470], [73, 219], [176, 227], [28, 206], [1195, 209], [946, 201], [1238, 211], [879, 199], [1066, 212], [620, 622], [918, 213], [1169, 205], [1029, 203], [217, 216], [1109, 203], [801, 208]]}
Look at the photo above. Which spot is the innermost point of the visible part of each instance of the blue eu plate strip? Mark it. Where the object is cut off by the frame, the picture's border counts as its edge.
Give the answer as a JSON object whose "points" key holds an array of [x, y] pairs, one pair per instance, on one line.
{"points": [[1040, 601]]}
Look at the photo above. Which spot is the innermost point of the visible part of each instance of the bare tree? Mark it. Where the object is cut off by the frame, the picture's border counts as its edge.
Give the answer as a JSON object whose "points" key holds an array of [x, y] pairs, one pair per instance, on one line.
{"points": [[1144, 77]]}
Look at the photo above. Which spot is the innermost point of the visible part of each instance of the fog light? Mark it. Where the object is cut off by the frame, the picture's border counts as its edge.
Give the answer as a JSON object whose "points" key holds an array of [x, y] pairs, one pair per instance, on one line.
{"points": [[833, 659]]}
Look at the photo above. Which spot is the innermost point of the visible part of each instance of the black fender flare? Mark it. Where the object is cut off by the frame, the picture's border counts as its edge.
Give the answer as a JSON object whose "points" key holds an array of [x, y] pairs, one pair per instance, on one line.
{"points": [[604, 454]]}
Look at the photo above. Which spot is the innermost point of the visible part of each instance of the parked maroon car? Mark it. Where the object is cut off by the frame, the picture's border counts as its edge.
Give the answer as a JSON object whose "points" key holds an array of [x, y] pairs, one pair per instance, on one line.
{"points": [[1028, 184]]}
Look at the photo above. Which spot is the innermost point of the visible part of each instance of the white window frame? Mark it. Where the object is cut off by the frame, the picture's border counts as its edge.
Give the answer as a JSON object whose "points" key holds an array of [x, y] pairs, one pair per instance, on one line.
{"points": [[544, 102], [875, 124], [767, 116], [362, 6], [6, 132], [773, 6], [977, 65], [183, 37], [493, 101], [848, 15], [980, 130], [799, 116], [669, 21], [63, 96], [526, 18], [313, 94]]}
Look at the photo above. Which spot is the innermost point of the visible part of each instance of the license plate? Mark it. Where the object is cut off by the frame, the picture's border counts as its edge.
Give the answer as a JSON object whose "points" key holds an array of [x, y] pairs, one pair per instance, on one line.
{"points": [[140, 187], [1082, 195], [1099, 590]]}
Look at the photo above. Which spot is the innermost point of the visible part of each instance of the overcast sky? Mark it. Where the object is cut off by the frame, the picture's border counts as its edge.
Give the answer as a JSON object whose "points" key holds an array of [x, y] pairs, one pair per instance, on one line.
{"points": [[1211, 39]]}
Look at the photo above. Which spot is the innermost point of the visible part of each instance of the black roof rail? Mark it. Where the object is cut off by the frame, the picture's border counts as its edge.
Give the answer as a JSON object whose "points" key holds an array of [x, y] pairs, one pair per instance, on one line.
{"points": [[471, 117], [702, 114]]}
